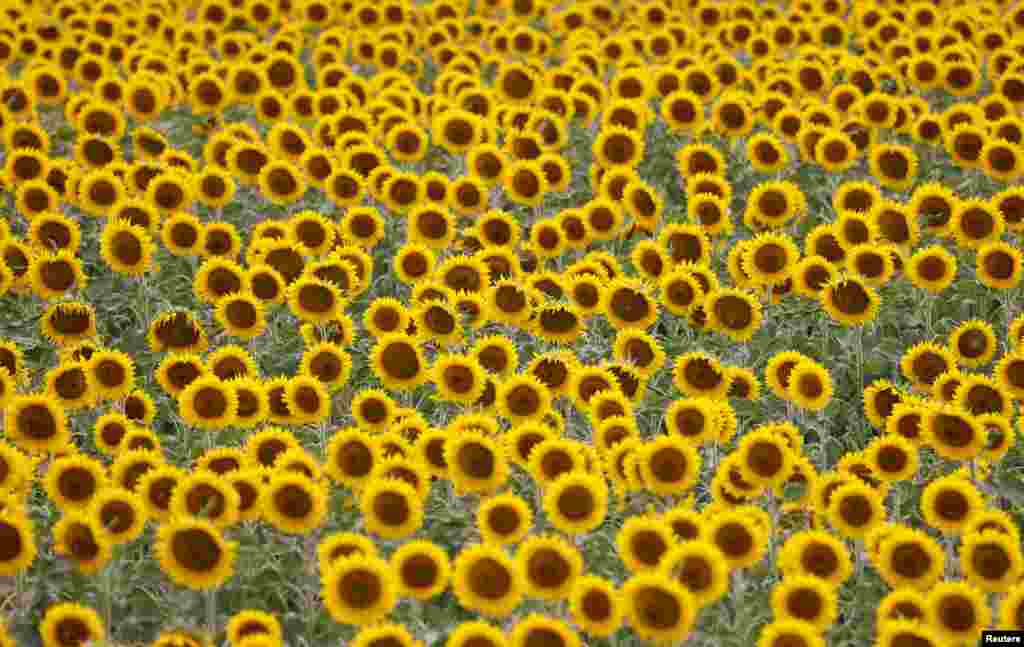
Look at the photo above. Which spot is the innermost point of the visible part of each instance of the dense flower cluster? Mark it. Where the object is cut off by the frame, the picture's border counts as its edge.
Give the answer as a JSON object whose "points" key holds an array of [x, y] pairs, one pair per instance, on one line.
{"points": [[442, 202]]}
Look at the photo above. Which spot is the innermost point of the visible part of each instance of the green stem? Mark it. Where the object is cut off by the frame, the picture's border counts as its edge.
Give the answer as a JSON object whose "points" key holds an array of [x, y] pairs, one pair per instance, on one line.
{"points": [[108, 599], [211, 612]]}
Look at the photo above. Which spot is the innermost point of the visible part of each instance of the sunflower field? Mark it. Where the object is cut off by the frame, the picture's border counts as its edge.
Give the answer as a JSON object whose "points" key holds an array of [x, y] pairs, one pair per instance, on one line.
{"points": [[511, 323]]}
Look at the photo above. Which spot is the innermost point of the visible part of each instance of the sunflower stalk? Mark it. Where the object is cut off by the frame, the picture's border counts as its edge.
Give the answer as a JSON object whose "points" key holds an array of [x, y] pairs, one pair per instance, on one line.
{"points": [[210, 597], [109, 585]]}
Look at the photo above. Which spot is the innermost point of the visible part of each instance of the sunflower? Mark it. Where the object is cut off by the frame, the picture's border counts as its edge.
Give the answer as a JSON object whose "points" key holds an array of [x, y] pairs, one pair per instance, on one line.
{"points": [[170, 192], [700, 567], [250, 623], [359, 590], [954, 434], [351, 457], [204, 495], [70, 383], [80, 538], [398, 362], [999, 265], [807, 599], [816, 553], [35, 198], [55, 231], [19, 547], [810, 386], [893, 457], [850, 301], [958, 611], [595, 605], [576, 502], [127, 249], [669, 465], [293, 503], [35, 422], [392, 509], [854, 509], [550, 566], [773, 204], [218, 277], [788, 632], [72, 481], [698, 374], [660, 609], [67, 624], [948, 503], [1009, 372], [735, 534], [873, 263], [476, 463], [487, 581], [537, 627], [975, 223], [315, 300], [733, 312], [183, 234], [504, 519], [1011, 610], [54, 274], [901, 604], [991, 560], [981, 394], [122, 513]]}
